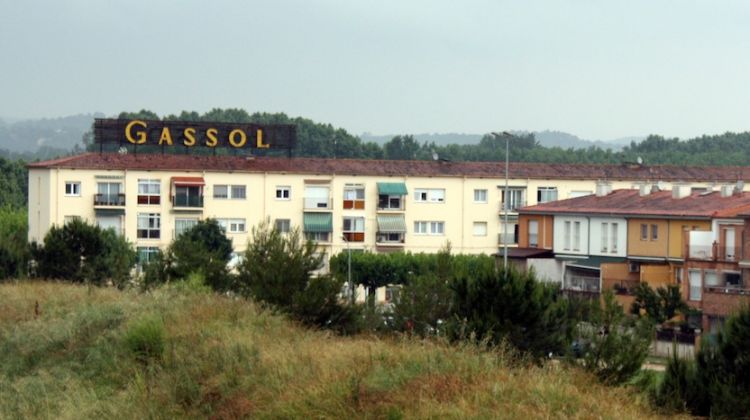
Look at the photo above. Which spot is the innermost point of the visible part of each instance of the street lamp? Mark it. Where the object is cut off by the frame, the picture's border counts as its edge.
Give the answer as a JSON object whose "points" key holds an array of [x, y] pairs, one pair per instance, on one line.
{"points": [[349, 270], [507, 136]]}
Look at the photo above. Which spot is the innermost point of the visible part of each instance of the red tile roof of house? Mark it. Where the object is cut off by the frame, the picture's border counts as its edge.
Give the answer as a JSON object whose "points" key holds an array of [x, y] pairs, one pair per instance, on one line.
{"points": [[630, 203], [171, 162]]}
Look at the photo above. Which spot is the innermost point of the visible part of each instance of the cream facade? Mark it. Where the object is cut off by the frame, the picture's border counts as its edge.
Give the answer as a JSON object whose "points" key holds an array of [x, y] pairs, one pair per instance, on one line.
{"points": [[150, 203]]}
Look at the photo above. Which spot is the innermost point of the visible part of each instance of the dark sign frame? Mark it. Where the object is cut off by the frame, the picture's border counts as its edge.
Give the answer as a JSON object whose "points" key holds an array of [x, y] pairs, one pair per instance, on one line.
{"points": [[193, 135]]}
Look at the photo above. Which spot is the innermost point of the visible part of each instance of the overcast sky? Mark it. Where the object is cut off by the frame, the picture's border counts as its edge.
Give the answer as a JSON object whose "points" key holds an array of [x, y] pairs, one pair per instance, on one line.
{"points": [[597, 69]]}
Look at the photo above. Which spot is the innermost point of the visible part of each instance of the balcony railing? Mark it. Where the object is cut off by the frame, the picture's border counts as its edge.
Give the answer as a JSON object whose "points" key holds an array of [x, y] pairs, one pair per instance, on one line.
{"points": [[354, 236], [192, 201], [115, 200], [625, 287], [728, 289], [318, 203], [391, 205], [713, 252], [507, 239], [354, 204], [512, 206], [581, 283], [389, 239]]}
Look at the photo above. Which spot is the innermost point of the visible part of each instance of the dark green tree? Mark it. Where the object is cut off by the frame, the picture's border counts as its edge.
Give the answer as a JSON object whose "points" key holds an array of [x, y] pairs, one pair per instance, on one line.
{"points": [[616, 345], [498, 305], [660, 305], [14, 251], [401, 148], [204, 249]]}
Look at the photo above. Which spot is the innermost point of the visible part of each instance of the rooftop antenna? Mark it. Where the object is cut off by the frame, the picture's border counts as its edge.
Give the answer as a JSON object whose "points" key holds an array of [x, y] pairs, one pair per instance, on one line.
{"points": [[435, 156], [122, 150], [639, 160]]}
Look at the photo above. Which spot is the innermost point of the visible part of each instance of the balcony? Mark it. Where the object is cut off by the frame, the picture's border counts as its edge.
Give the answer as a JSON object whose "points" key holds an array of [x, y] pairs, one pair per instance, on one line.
{"points": [[391, 203], [507, 239], [389, 239], [354, 204], [318, 203], [512, 206], [625, 287], [713, 252], [187, 201], [354, 236], [576, 283], [109, 200]]}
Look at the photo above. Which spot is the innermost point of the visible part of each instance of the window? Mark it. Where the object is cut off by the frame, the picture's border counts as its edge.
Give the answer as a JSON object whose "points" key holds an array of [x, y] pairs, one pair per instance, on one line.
{"points": [[429, 228], [283, 192], [392, 237], [108, 194], [238, 192], [545, 194], [389, 202], [73, 189], [605, 236], [480, 196], [732, 279], [515, 199], [317, 197], [432, 195], [710, 279], [533, 233], [566, 236], [354, 229], [354, 196], [221, 191], [614, 238], [183, 225], [654, 232], [317, 236], [729, 244], [576, 236], [480, 228], [678, 275], [644, 232], [146, 254], [235, 192], [149, 191], [283, 225], [149, 226], [694, 277], [110, 222], [232, 225]]}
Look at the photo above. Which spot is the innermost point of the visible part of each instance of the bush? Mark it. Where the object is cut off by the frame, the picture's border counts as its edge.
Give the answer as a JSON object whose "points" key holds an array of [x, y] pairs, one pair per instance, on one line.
{"points": [[499, 305], [659, 305], [14, 251], [145, 339], [81, 252], [616, 345], [277, 269], [422, 305]]}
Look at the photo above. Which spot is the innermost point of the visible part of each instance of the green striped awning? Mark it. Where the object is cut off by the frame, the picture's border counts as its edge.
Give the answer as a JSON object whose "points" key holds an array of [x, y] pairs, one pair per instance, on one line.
{"points": [[392, 188], [391, 223], [318, 222]]}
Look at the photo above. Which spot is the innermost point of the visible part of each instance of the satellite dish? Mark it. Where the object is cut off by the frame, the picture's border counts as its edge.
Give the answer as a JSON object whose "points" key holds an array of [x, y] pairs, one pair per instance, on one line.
{"points": [[435, 155], [122, 150], [639, 160]]}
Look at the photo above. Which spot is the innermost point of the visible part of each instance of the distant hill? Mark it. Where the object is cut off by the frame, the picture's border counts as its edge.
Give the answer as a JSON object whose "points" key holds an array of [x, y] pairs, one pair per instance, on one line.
{"points": [[546, 138], [28, 136]]}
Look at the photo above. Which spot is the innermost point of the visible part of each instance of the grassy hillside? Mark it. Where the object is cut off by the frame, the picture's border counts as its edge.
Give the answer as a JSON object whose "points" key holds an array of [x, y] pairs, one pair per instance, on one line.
{"points": [[226, 358]]}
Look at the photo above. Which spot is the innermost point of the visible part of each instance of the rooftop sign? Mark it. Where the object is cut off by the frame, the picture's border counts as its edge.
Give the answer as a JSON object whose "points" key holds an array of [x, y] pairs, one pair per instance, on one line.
{"points": [[193, 134]]}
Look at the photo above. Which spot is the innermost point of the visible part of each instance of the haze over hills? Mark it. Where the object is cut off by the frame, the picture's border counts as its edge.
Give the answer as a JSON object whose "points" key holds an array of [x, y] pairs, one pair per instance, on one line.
{"points": [[546, 138]]}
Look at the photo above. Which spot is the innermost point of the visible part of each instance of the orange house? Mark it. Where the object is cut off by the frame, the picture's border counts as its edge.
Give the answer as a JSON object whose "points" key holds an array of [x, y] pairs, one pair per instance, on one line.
{"points": [[535, 231]]}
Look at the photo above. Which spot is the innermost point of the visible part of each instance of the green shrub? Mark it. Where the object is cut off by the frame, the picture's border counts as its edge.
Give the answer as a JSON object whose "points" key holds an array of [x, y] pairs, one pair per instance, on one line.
{"points": [[145, 339], [203, 248], [14, 251], [422, 305]]}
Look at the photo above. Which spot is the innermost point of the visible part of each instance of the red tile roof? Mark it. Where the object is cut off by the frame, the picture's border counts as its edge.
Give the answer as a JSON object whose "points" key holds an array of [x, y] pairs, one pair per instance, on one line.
{"points": [[658, 204], [171, 162]]}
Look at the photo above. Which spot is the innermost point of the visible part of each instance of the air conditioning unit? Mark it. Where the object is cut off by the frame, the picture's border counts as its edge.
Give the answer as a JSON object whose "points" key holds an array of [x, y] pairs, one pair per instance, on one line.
{"points": [[634, 267]]}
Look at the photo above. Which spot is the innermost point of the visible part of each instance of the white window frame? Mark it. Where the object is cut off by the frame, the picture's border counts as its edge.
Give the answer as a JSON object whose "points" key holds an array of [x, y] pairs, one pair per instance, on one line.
{"points": [[233, 225], [576, 236], [152, 224], [429, 195], [614, 238], [75, 188], [230, 192], [544, 192], [188, 220], [566, 235], [146, 188], [695, 288], [283, 192], [354, 192], [283, 225], [429, 227], [534, 234], [356, 224], [479, 229], [318, 236], [480, 196], [148, 251], [605, 237]]}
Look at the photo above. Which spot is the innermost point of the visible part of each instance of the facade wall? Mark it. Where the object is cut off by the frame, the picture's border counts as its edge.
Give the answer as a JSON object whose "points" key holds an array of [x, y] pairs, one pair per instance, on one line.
{"points": [[616, 244], [547, 270], [677, 235], [648, 246], [566, 240], [545, 225]]}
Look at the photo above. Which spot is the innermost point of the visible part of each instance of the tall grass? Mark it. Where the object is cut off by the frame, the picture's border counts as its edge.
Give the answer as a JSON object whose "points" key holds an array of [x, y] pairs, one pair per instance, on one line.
{"points": [[227, 358]]}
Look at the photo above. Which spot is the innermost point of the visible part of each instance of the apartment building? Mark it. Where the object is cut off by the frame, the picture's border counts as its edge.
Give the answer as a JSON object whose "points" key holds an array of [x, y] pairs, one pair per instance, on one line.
{"points": [[381, 206], [620, 239]]}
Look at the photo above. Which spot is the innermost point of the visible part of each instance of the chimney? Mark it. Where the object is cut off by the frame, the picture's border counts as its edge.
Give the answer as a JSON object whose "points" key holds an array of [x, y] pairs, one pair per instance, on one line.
{"points": [[680, 191], [727, 190], [644, 190], [603, 188]]}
